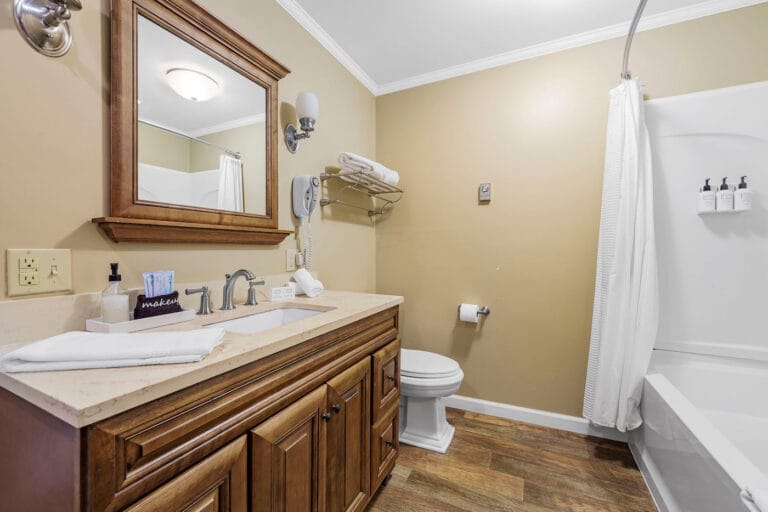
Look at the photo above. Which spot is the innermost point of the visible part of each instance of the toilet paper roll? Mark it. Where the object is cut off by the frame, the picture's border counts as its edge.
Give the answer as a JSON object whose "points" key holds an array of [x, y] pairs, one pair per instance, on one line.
{"points": [[468, 313]]}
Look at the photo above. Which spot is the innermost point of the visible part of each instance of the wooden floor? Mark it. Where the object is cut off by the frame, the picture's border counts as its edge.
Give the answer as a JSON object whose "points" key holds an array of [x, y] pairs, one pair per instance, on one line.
{"points": [[500, 465]]}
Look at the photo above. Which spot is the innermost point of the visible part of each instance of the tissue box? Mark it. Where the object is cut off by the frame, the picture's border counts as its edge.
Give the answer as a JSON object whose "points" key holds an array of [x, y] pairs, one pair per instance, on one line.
{"points": [[160, 305]]}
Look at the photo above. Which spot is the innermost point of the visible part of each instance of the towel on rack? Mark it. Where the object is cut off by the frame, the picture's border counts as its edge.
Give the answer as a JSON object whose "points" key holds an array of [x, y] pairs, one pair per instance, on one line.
{"points": [[356, 163], [83, 350], [756, 500]]}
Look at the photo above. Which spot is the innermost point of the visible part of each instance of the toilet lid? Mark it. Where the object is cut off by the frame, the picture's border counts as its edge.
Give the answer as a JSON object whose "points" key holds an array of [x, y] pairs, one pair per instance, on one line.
{"points": [[418, 363]]}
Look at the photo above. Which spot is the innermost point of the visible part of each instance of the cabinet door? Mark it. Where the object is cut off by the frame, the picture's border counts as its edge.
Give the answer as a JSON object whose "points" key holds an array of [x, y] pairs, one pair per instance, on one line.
{"points": [[386, 380], [217, 484], [288, 458], [349, 400], [385, 446]]}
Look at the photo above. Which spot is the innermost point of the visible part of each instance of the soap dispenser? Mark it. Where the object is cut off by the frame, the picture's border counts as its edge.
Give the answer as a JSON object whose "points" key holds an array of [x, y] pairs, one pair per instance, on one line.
{"points": [[706, 198], [725, 197], [742, 198], [114, 300]]}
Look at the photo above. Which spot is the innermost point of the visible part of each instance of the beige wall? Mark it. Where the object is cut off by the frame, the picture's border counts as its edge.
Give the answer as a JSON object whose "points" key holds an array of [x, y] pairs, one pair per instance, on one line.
{"points": [[536, 131], [54, 142], [248, 141], [163, 149]]}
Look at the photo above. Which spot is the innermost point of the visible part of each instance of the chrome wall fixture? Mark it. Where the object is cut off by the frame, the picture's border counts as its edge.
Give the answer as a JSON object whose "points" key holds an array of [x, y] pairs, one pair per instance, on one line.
{"points": [[625, 74], [43, 23], [307, 109]]}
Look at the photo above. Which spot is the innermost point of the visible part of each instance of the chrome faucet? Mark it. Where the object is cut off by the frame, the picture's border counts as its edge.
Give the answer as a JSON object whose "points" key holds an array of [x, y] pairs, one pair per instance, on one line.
{"points": [[229, 287]]}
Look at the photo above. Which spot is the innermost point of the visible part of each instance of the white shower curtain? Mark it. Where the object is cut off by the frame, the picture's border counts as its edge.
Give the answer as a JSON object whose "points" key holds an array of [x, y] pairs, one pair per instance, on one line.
{"points": [[625, 316], [230, 184]]}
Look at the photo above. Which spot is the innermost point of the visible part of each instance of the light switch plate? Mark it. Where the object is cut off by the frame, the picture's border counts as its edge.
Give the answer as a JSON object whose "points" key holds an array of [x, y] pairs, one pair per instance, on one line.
{"points": [[484, 192], [290, 260], [36, 271]]}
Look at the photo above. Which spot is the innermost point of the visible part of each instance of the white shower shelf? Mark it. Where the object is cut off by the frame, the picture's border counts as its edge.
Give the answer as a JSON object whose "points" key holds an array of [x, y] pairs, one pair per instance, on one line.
{"points": [[364, 183], [727, 212]]}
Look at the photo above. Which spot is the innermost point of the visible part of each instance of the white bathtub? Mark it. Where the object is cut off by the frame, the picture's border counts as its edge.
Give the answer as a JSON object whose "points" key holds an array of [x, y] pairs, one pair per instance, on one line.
{"points": [[705, 435]]}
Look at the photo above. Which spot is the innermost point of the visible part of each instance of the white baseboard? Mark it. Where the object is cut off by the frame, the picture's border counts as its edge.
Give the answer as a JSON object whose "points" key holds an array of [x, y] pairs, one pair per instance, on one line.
{"points": [[533, 416]]}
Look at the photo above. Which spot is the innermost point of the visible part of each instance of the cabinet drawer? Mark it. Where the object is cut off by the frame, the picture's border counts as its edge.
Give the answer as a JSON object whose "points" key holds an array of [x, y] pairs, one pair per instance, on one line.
{"points": [[384, 446], [386, 379], [217, 484]]}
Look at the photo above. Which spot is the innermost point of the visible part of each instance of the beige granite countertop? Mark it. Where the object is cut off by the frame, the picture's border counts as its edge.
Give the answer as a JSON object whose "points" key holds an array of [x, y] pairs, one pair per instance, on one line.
{"points": [[83, 397]]}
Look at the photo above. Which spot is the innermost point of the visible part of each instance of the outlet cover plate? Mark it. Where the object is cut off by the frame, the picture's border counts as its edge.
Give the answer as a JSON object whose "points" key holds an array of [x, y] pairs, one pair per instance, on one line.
{"points": [[38, 271], [290, 260]]}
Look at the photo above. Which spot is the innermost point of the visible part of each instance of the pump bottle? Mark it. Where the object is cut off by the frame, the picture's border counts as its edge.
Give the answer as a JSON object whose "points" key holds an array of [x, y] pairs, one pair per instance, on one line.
{"points": [[742, 198], [706, 198], [725, 197], [114, 300]]}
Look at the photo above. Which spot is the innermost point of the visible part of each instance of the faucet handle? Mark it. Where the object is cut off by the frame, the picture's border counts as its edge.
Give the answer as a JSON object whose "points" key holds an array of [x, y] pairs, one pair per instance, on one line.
{"points": [[205, 299], [252, 284]]}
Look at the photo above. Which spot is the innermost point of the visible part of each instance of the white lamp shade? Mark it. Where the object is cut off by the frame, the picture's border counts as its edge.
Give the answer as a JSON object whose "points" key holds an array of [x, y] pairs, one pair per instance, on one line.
{"points": [[307, 105], [192, 85]]}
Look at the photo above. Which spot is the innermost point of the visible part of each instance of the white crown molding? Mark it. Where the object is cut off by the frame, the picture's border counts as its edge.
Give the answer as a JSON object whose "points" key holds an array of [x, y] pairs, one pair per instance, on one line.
{"points": [[229, 125], [310, 25], [566, 43]]}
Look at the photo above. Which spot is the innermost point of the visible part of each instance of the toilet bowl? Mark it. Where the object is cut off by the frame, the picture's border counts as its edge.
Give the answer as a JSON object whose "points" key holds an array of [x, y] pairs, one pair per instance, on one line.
{"points": [[425, 380]]}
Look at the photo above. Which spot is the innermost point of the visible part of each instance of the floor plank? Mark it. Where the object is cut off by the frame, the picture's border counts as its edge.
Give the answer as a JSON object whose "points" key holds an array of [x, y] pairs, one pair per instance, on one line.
{"points": [[498, 465]]}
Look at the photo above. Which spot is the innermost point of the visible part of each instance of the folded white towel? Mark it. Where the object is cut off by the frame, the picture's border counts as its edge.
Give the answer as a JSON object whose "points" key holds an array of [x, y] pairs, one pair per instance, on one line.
{"points": [[756, 500], [82, 350], [308, 284], [353, 162]]}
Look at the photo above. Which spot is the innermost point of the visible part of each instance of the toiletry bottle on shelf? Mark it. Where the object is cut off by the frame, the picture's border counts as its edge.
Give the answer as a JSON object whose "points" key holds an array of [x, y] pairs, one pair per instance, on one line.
{"points": [[706, 198], [725, 197], [742, 198], [114, 300]]}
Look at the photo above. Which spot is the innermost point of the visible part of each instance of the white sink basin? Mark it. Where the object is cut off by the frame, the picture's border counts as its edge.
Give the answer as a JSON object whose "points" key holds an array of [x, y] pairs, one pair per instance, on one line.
{"points": [[267, 320]]}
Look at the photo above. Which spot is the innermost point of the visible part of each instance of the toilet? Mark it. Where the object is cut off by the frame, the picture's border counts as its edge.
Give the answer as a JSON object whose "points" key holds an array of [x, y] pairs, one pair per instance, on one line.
{"points": [[426, 379]]}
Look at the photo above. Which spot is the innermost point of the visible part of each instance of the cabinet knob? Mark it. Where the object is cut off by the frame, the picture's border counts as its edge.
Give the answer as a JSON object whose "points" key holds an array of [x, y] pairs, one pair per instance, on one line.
{"points": [[390, 444], [391, 378], [327, 416], [336, 407]]}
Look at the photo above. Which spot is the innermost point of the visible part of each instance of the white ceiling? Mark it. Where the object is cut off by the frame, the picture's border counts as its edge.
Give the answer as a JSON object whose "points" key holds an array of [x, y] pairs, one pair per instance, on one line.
{"points": [[395, 44], [240, 101]]}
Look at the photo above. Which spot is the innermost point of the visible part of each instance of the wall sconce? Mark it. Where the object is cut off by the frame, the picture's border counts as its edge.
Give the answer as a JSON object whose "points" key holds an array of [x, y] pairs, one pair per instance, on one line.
{"points": [[43, 23], [307, 108]]}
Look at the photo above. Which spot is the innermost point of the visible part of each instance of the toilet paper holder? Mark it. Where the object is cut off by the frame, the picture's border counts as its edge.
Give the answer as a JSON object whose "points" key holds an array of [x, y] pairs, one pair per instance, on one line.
{"points": [[485, 310]]}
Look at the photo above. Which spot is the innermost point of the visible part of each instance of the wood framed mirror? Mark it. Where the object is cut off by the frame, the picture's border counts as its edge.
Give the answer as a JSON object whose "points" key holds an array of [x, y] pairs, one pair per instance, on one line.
{"points": [[193, 129]]}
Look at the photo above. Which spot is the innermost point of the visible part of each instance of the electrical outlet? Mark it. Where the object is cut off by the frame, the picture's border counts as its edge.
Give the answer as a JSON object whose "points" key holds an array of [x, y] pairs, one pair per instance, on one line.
{"points": [[36, 271], [29, 277], [290, 260], [28, 262]]}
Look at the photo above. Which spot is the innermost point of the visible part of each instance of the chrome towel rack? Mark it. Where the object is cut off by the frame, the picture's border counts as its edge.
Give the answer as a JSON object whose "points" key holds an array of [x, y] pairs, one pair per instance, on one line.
{"points": [[364, 183], [625, 74]]}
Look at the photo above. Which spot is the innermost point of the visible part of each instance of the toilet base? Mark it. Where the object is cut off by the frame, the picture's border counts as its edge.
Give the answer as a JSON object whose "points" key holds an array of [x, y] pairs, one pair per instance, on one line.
{"points": [[423, 424]]}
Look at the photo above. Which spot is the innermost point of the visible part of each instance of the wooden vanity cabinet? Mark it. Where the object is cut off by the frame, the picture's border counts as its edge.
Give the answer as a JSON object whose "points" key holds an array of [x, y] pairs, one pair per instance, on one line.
{"points": [[300, 431]]}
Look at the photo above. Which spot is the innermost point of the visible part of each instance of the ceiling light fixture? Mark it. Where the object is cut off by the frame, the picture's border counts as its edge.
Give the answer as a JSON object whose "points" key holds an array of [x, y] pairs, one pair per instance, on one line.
{"points": [[192, 85]]}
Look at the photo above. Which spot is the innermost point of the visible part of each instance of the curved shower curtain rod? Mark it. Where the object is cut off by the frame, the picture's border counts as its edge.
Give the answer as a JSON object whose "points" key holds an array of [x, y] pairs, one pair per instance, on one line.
{"points": [[625, 74]]}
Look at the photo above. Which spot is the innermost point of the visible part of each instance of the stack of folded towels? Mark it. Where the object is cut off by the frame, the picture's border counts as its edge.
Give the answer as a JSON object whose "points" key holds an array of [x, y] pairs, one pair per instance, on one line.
{"points": [[84, 350], [351, 162]]}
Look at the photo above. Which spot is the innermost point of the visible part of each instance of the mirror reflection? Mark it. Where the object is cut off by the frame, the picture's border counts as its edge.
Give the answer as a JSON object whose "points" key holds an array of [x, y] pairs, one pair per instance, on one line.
{"points": [[201, 129]]}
